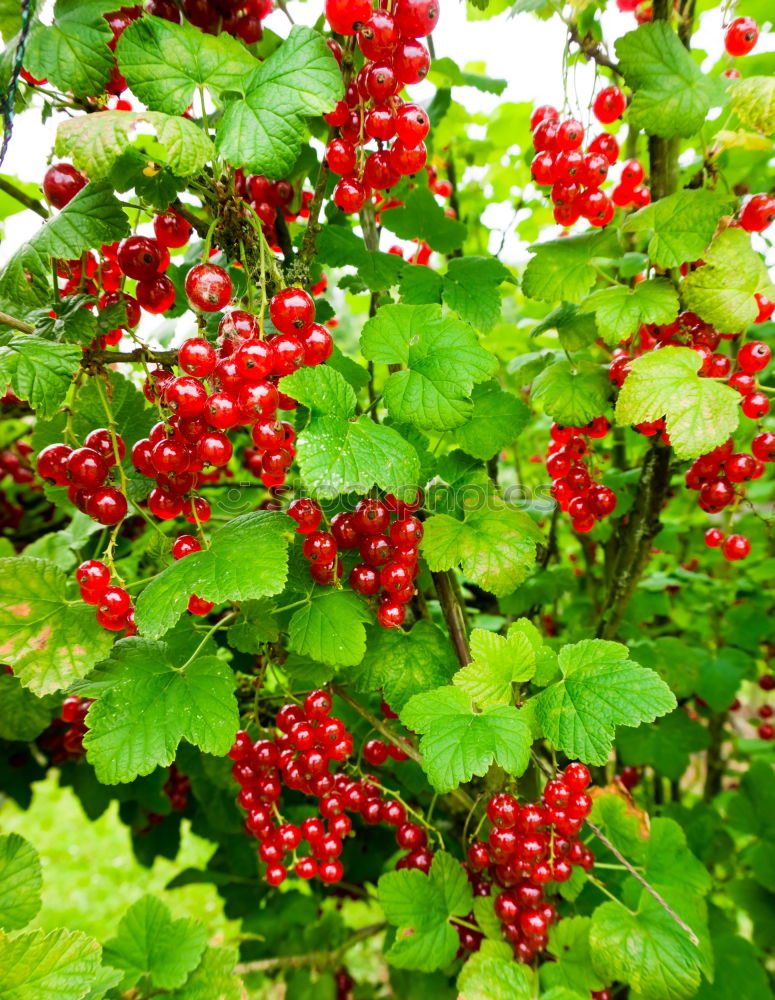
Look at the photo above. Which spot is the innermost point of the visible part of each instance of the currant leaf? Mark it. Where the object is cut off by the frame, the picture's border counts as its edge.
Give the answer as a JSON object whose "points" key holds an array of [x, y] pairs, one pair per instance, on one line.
{"points": [[600, 690], [565, 269], [496, 421], [471, 288], [621, 311], [572, 968], [491, 974], [681, 225], [420, 906], [495, 546], [672, 96], [301, 78], [164, 63], [330, 627], [443, 363], [421, 217], [38, 371], [247, 558], [149, 943], [498, 663], [49, 640], [23, 716], [458, 742], [322, 389], [95, 142], [753, 101], [146, 704], [72, 52], [572, 392], [699, 413], [403, 663], [339, 247], [213, 977], [60, 965], [21, 880], [722, 291]]}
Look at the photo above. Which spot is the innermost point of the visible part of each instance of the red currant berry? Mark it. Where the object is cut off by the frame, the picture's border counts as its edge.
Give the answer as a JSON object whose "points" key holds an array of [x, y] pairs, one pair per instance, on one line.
{"points": [[208, 287], [609, 105], [741, 36]]}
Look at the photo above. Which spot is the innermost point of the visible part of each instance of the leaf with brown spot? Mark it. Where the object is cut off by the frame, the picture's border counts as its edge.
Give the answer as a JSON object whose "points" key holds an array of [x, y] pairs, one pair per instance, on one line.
{"points": [[47, 639]]}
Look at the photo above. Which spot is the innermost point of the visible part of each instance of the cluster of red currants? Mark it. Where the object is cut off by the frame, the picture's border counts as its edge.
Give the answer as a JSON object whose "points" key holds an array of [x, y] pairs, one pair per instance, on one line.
{"points": [[266, 198], [528, 847], [115, 611], [309, 745], [372, 109], [240, 18], [177, 788], [14, 464], [642, 9], [386, 535], [574, 177], [62, 740], [573, 487], [85, 472]]}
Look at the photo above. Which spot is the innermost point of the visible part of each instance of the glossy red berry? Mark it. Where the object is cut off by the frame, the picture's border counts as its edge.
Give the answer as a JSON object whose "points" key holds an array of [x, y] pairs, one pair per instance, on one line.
{"points": [[609, 105], [370, 517], [754, 356], [714, 537], [106, 505], [741, 36], [61, 183], [306, 513], [758, 213], [416, 18], [93, 576], [347, 17], [735, 547], [364, 580], [320, 547], [139, 257], [208, 287], [391, 614]]}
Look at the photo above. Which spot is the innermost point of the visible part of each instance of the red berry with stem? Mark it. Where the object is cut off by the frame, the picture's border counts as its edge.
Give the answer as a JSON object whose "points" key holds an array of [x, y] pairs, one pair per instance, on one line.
{"points": [[714, 537], [754, 356], [306, 513], [185, 396], [391, 614], [570, 134], [347, 17], [350, 194], [370, 517], [106, 444], [320, 547], [214, 448], [156, 295], [609, 105], [364, 580], [416, 18], [139, 257], [411, 125], [61, 183], [197, 357], [52, 464], [741, 36], [93, 575], [86, 468], [755, 405], [758, 213], [735, 547], [171, 229], [106, 505], [208, 287], [292, 310], [344, 531], [318, 345]]}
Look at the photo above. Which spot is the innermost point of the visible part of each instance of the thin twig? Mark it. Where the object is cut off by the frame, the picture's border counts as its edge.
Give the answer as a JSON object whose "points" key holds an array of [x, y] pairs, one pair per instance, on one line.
{"points": [[23, 198], [314, 960], [381, 727], [140, 354], [593, 50], [16, 324], [649, 888], [454, 616]]}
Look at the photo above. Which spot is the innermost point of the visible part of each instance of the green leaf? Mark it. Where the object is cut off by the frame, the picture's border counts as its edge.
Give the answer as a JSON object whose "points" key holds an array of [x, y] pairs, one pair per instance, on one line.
{"points": [[322, 390], [23, 716], [95, 142], [420, 907], [753, 101], [621, 311], [72, 53], [646, 949], [164, 63], [498, 663], [247, 558], [700, 413], [575, 329], [682, 225], [495, 545], [403, 663], [492, 974], [672, 95], [497, 420], [572, 393], [21, 880], [444, 362], [722, 291], [264, 132], [666, 746], [256, 626], [471, 288], [38, 371], [668, 861], [565, 268], [49, 641], [601, 689], [338, 246], [569, 943], [739, 973], [149, 943], [146, 704], [329, 628], [421, 217], [61, 965], [458, 742], [213, 978], [420, 285], [337, 455]]}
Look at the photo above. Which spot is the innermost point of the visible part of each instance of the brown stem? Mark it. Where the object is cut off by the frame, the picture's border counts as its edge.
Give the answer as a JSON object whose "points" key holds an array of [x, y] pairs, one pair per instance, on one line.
{"points": [[15, 324], [200, 226], [381, 727], [307, 248], [635, 538], [593, 50], [315, 959], [454, 615], [714, 763], [166, 358], [649, 888], [23, 198]]}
